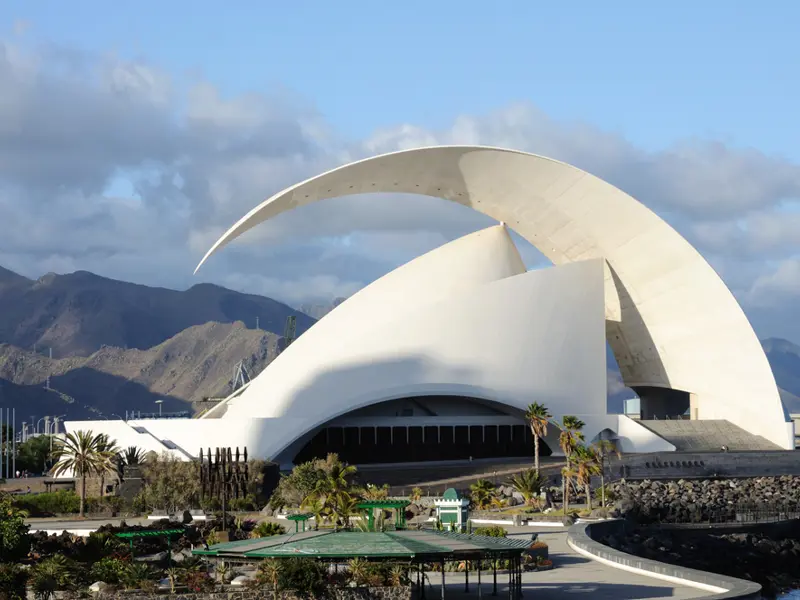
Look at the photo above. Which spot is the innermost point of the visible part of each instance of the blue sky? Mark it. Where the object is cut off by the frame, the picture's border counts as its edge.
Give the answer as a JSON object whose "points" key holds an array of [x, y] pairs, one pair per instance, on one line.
{"points": [[689, 106], [653, 72]]}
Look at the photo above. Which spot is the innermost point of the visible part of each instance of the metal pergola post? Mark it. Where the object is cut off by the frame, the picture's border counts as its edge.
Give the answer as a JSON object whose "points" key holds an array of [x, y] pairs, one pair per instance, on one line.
{"points": [[494, 572], [480, 590], [442, 580], [466, 576]]}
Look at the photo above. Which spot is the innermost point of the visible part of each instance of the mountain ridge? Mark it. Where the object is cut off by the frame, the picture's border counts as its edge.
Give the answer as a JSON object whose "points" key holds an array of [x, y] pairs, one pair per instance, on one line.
{"points": [[77, 313]]}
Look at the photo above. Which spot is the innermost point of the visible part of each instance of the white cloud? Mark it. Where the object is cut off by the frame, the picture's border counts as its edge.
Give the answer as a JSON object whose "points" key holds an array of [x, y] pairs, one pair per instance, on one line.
{"points": [[71, 124]]}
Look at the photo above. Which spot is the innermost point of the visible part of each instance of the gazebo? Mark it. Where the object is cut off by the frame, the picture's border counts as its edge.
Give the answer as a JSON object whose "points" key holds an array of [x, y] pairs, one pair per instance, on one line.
{"points": [[418, 547], [398, 506]]}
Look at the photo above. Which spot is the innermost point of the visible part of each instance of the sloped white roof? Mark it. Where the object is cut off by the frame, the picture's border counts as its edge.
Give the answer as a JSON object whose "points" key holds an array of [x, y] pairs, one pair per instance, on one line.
{"points": [[670, 319]]}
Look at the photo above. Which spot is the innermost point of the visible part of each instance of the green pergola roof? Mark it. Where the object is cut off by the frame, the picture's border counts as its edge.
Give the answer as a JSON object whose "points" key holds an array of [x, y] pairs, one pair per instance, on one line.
{"points": [[425, 544], [387, 504], [149, 533]]}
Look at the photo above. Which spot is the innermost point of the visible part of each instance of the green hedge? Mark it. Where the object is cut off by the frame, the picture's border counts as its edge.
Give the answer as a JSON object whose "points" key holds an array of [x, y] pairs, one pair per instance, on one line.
{"points": [[64, 502]]}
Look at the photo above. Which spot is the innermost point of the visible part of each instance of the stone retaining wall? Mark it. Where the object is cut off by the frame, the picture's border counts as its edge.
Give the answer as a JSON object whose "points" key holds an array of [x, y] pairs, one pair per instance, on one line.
{"points": [[238, 593], [704, 465], [582, 538]]}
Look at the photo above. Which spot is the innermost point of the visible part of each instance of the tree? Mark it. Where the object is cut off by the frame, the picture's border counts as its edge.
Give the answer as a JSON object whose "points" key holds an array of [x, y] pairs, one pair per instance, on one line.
{"points": [[604, 449], [538, 417], [109, 446], [568, 439], [481, 493], [14, 539], [269, 573], [567, 476], [316, 506], [334, 490], [34, 454], [80, 453], [131, 456], [169, 483], [587, 465], [528, 483]]}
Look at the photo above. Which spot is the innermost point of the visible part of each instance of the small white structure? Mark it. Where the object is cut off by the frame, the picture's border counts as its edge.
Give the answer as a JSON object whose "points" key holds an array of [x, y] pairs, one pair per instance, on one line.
{"points": [[452, 511]]}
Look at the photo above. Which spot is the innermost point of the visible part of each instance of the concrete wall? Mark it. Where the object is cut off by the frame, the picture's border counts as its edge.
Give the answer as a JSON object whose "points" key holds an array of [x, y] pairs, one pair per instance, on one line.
{"points": [[704, 465], [582, 538]]}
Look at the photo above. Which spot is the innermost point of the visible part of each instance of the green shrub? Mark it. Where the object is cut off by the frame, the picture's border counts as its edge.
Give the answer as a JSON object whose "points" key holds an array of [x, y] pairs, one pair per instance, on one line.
{"points": [[267, 529], [51, 575], [113, 571], [491, 531], [14, 539], [13, 579], [49, 504], [306, 576]]}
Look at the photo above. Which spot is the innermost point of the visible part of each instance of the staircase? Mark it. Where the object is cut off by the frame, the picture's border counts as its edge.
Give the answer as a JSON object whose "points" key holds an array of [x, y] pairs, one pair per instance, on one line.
{"points": [[707, 436]]}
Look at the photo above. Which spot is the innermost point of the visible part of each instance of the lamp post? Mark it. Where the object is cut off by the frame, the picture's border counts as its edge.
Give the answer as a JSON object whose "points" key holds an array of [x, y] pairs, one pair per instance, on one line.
{"points": [[159, 402]]}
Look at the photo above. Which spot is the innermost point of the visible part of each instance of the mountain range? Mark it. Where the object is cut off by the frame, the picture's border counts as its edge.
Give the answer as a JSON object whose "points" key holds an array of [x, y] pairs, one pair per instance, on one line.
{"points": [[119, 346], [78, 313]]}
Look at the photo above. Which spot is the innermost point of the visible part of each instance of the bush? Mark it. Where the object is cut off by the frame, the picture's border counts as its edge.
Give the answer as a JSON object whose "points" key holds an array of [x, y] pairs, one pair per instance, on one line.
{"points": [[14, 539], [49, 504], [491, 531], [51, 575], [13, 580], [267, 529], [112, 571], [307, 577]]}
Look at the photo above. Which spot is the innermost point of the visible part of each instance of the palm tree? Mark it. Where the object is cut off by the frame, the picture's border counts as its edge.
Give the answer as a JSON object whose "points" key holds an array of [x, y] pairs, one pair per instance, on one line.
{"points": [[269, 571], [314, 504], [587, 465], [107, 445], [538, 417], [567, 475], [80, 453], [132, 456], [342, 507], [481, 493], [528, 483], [604, 449], [569, 438], [571, 435], [334, 490]]}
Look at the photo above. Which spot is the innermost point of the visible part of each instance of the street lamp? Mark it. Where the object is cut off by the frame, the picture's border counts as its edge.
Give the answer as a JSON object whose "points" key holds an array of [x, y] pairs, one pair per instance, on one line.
{"points": [[159, 402]]}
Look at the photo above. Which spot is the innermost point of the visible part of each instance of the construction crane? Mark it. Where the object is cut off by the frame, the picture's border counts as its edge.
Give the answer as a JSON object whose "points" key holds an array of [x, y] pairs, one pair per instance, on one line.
{"points": [[240, 376]]}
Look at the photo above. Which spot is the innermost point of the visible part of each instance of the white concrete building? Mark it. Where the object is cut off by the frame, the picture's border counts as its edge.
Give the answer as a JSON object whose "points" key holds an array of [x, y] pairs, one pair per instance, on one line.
{"points": [[439, 358]]}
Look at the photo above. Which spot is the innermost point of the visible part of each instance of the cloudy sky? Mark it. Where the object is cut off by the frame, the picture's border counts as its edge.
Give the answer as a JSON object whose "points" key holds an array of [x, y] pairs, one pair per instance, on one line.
{"points": [[132, 135]]}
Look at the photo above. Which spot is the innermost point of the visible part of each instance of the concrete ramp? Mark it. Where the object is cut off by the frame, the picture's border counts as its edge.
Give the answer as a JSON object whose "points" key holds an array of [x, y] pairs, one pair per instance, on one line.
{"points": [[707, 436]]}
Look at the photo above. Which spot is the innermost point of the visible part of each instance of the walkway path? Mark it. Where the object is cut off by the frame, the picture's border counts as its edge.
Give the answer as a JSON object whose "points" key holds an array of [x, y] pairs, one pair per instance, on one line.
{"points": [[573, 577]]}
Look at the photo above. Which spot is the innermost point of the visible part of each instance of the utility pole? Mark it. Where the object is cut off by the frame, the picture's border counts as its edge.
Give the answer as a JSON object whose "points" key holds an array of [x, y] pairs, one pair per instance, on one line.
{"points": [[257, 327], [51, 353]]}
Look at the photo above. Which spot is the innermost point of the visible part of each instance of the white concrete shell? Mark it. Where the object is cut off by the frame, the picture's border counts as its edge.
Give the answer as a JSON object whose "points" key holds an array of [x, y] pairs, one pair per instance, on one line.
{"points": [[670, 320], [465, 319]]}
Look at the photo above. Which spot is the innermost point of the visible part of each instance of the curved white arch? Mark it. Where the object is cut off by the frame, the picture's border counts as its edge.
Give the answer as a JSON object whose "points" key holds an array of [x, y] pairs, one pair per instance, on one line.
{"points": [[670, 320]]}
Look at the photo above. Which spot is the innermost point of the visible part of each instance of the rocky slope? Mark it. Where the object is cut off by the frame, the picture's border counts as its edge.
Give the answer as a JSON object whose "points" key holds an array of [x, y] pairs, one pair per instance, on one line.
{"points": [[78, 313], [195, 364]]}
